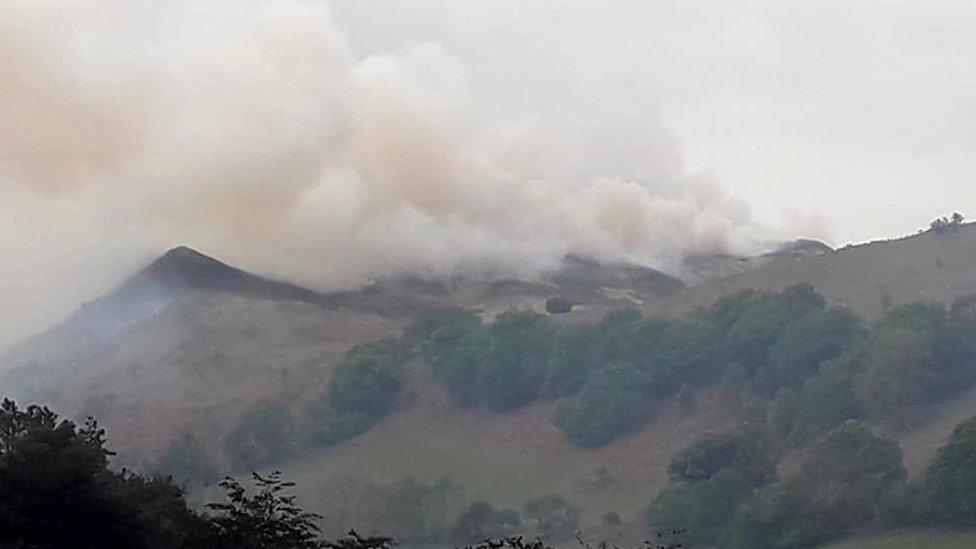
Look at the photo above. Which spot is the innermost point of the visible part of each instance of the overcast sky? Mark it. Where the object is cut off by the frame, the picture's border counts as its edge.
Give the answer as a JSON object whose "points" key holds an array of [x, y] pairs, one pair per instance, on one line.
{"points": [[849, 120]]}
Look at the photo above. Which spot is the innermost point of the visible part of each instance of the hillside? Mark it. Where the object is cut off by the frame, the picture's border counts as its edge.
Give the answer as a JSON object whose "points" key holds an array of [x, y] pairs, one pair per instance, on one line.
{"points": [[189, 344], [931, 266]]}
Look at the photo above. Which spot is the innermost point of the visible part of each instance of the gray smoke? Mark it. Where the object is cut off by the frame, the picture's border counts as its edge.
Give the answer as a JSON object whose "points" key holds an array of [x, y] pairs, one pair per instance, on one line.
{"points": [[249, 130]]}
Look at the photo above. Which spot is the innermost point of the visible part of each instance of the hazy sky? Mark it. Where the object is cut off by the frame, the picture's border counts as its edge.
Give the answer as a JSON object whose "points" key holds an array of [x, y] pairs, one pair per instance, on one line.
{"points": [[852, 120], [328, 142]]}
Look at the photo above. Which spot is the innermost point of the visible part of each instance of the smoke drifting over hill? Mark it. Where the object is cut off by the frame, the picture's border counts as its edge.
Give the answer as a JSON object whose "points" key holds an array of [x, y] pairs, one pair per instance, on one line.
{"points": [[251, 131]]}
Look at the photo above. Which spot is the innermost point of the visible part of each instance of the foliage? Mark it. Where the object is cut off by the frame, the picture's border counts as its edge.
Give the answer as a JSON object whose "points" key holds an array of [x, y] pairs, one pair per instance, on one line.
{"points": [[516, 367], [951, 478], [456, 353], [915, 353], [262, 435], [553, 517], [612, 402], [419, 512], [362, 391], [366, 382], [703, 507], [570, 360], [269, 519], [839, 485], [480, 520], [188, 461], [58, 491], [715, 453]]}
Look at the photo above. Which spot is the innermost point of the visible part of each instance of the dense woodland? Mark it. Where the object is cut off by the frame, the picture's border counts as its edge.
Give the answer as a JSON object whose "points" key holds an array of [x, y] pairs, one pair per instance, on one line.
{"points": [[813, 383]]}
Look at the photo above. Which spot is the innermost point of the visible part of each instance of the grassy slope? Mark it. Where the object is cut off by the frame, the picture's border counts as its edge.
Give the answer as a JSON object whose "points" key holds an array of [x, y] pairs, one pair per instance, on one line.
{"points": [[930, 267], [507, 458], [925, 539]]}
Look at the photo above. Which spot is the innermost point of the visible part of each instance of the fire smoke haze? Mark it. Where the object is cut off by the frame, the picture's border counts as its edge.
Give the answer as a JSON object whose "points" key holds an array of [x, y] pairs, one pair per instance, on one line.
{"points": [[326, 144]]}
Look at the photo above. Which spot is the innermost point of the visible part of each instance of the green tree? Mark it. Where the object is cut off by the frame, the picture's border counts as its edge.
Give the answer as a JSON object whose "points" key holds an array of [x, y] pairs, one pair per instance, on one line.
{"points": [[456, 353], [715, 453], [268, 519], [951, 479], [57, 490], [366, 382], [614, 401], [521, 344], [702, 508]]}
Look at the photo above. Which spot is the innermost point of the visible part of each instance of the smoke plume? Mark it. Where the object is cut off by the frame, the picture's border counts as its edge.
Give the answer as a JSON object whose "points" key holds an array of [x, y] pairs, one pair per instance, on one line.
{"points": [[251, 131]]}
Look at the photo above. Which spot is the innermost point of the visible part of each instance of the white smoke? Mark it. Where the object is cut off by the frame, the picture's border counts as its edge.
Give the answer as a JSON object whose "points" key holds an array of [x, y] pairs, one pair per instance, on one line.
{"points": [[249, 130]]}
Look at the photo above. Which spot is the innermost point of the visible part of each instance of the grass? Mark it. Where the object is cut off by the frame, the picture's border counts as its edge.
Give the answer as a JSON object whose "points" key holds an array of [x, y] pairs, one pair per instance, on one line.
{"points": [[508, 458], [915, 539]]}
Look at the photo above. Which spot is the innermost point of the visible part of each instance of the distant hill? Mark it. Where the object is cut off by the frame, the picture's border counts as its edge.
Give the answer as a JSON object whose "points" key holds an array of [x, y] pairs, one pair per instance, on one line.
{"points": [[868, 278], [190, 339], [189, 343]]}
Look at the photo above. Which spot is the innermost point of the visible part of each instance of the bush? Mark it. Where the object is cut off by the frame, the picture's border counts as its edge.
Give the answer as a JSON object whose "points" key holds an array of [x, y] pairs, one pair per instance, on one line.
{"points": [[848, 470], [268, 519], [366, 382], [58, 491], [951, 479], [569, 361], [480, 521], [614, 401], [716, 453], [457, 353], [521, 344], [916, 353], [558, 305], [362, 391], [421, 329], [420, 512], [187, 461], [776, 519], [841, 483], [702, 507], [553, 517], [262, 435]]}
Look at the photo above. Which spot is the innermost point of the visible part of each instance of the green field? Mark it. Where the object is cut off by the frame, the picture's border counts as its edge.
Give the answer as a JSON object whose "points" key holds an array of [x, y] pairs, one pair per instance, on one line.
{"points": [[927, 539]]}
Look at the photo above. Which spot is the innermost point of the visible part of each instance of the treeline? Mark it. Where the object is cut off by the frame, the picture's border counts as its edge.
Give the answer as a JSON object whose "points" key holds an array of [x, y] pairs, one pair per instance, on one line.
{"points": [[807, 365], [59, 491], [724, 491], [439, 512], [812, 365], [363, 389]]}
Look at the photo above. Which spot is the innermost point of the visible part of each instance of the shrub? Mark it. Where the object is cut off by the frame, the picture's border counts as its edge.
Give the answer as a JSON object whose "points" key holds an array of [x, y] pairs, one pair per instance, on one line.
{"points": [[188, 461], [480, 520], [362, 391], [521, 344], [366, 382], [614, 401], [569, 361], [558, 305], [702, 508], [421, 512], [58, 491], [716, 453], [951, 478], [262, 435], [553, 517]]}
